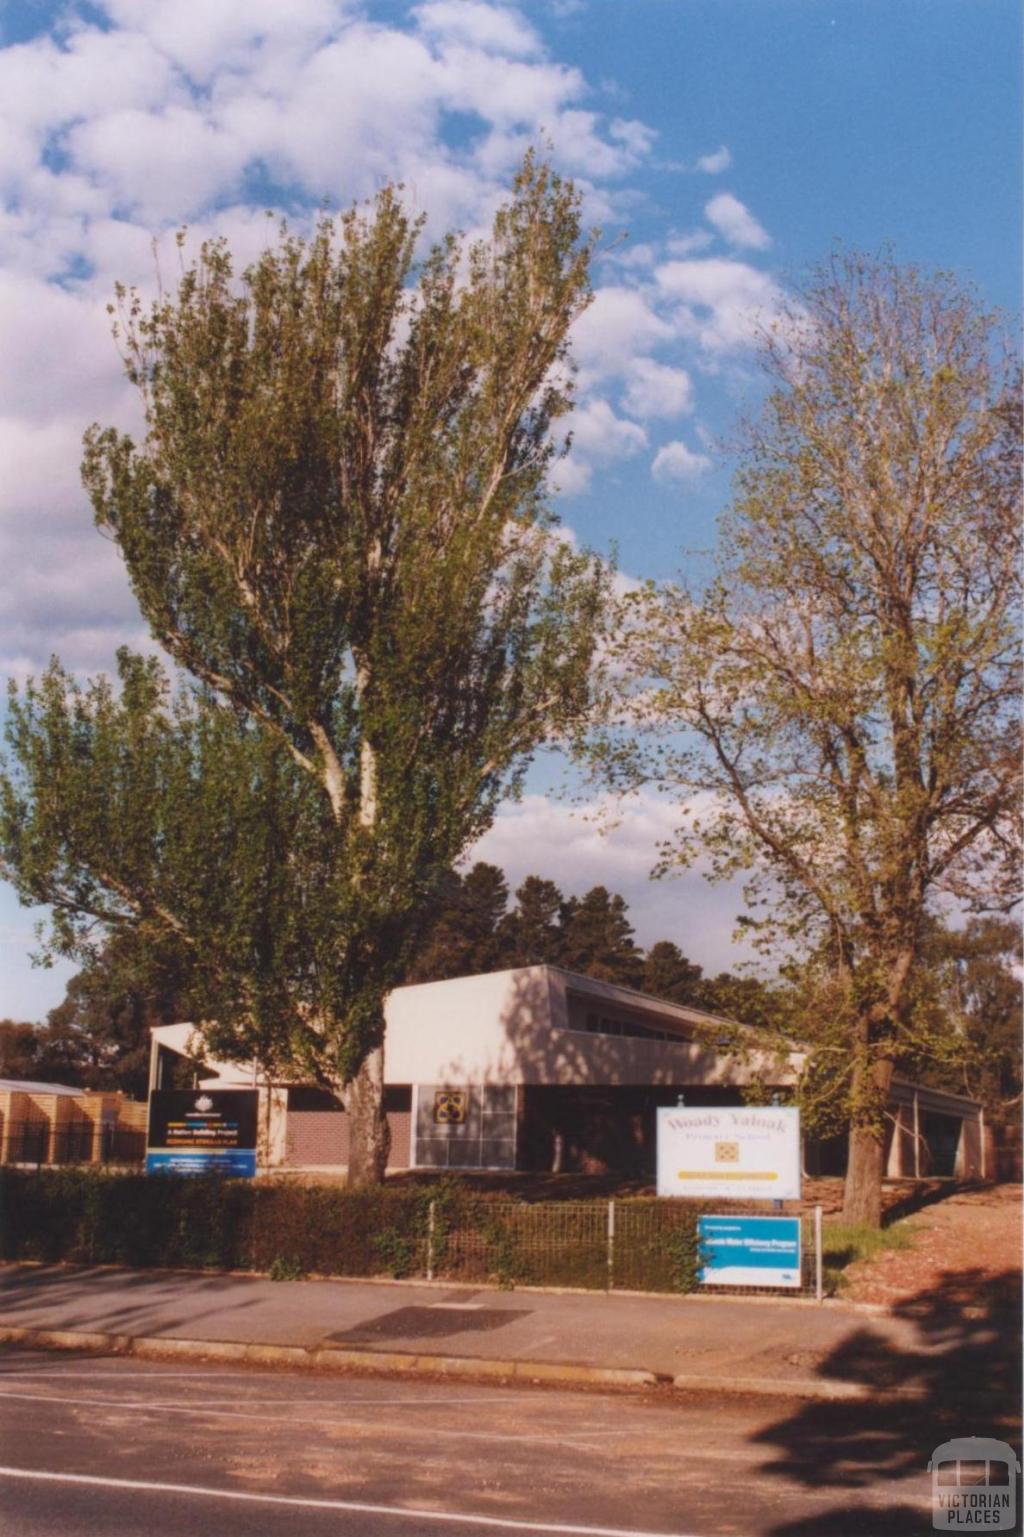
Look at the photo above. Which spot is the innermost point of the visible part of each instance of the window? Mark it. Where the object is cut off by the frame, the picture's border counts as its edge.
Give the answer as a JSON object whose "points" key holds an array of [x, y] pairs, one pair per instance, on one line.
{"points": [[617, 1025]]}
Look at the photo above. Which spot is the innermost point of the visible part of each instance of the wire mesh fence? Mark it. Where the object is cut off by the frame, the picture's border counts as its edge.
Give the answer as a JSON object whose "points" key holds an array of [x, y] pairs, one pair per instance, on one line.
{"points": [[451, 1233], [630, 1245]]}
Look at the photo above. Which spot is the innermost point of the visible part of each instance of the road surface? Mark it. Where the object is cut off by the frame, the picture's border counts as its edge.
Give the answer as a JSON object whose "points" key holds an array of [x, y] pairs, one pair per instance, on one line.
{"points": [[109, 1447]]}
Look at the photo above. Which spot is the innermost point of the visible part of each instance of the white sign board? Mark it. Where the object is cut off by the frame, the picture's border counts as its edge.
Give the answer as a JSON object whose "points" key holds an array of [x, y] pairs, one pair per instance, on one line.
{"points": [[746, 1153]]}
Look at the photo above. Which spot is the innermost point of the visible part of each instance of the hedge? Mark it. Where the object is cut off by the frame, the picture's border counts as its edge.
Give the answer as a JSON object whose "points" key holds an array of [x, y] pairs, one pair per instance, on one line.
{"points": [[287, 1230]]}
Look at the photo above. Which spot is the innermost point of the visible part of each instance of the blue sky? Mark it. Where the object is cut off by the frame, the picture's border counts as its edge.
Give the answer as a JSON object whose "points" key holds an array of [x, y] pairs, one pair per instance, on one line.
{"points": [[734, 140]]}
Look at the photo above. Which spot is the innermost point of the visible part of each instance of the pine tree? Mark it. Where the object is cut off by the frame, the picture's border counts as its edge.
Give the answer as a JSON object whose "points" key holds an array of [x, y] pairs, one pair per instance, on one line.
{"points": [[598, 938], [530, 934], [669, 974]]}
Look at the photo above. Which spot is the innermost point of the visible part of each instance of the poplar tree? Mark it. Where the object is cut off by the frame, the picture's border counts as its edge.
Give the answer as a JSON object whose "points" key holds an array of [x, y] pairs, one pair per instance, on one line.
{"points": [[336, 526], [838, 709]]}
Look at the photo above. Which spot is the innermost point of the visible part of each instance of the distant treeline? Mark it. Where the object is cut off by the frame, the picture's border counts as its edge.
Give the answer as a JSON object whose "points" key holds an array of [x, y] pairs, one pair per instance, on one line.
{"points": [[970, 989]]}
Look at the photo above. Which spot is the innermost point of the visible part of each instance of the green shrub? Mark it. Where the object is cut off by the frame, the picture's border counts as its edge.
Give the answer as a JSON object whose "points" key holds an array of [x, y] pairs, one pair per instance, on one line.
{"points": [[397, 1251], [286, 1269], [287, 1230]]}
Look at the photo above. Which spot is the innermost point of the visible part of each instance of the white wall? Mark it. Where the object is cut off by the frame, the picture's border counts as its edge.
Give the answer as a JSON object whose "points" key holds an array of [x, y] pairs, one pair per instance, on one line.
{"points": [[509, 1027]]}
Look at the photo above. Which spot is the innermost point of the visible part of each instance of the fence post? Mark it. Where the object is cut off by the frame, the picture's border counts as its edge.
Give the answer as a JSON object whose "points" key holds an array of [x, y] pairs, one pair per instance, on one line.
{"points": [[611, 1244], [818, 1288], [431, 1219]]}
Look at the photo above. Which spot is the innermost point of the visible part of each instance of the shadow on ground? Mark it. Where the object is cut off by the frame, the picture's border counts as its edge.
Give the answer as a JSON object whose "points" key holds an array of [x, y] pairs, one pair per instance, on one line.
{"points": [[968, 1330], [141, 1306], [433, 1322]]}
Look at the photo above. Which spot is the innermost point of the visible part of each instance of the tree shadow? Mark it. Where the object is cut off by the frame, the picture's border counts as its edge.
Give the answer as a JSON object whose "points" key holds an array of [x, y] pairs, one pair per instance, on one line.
{"points": [[102, 1299], [963, 1368]]}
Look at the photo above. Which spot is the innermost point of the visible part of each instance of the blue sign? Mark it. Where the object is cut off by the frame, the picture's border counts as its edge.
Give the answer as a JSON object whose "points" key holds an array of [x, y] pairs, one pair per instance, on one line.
{"points": [[238, 1164], [750, 1251], [203, 1131]]}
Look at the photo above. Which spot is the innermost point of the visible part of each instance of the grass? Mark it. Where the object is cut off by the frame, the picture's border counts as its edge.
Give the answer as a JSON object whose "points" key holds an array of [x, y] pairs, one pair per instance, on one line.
{"points": [[842, 1245]]}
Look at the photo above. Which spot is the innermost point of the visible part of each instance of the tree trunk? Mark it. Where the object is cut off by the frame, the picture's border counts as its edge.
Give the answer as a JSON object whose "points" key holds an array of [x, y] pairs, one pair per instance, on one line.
{"points": [[369, 1137], [862, 1195]]}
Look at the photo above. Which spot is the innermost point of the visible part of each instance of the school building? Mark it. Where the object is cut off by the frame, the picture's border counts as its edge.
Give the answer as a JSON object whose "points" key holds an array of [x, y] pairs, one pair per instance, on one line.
{"points": [[538, 1068]]}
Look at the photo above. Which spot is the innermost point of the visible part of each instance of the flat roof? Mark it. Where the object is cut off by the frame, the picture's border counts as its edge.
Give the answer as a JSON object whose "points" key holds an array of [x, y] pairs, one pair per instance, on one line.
{"points": [[597, 988]]}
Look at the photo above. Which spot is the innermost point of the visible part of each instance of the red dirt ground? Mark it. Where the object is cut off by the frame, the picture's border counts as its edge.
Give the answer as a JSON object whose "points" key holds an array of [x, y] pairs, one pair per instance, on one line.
{"points": [[975, 1232]]}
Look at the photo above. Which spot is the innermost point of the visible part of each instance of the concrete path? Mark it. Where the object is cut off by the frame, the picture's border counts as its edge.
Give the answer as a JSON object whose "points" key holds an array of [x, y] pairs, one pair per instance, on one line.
{"points": [[794, 1347]]}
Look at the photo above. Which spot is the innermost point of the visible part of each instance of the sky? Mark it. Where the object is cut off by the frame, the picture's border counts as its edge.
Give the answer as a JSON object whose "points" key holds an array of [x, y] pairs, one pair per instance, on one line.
{"points": [[723, 146]]}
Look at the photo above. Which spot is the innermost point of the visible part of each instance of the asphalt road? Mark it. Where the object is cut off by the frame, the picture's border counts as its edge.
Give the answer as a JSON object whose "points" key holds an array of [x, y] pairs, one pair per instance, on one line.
{"points": [[93, 1447]]}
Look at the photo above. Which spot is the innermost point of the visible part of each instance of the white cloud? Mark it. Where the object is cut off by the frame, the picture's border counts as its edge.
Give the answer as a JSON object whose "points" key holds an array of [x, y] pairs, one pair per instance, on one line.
{"points": [[719, 160], [656, 389], [675, 462], [686, 245], [221, 36], [601, 436], [637, 137], [116, 132], [736, 223], [722, 304], [495, 29], [577, 853], [619, 325]]}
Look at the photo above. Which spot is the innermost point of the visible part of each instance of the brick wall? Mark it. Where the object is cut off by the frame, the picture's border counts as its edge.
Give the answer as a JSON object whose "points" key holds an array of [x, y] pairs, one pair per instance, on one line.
{"points": [[317, 1138]]}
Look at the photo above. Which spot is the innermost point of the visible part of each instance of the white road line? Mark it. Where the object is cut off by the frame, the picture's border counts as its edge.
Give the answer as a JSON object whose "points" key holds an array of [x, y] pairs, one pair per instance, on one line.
{"points": [[356, 1507], [201, 1411]]}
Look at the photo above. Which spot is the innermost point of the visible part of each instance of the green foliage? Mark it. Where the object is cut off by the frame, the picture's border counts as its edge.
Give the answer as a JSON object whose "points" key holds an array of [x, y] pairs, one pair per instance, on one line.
{"points": [[288, 1231], [838, 710], [398, 1252], [336, 526], [471, 931], [286, 1268], [463, 936], [102, 1027], [669, 974], [94, 1218], [506, 1261], [597, 938], [842, 1244], [531, 934], [685, 1256], [969, 996]]}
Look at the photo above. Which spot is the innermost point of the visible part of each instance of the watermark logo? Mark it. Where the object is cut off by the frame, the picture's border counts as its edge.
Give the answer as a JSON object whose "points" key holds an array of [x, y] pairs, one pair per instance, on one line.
{"points": [[974, 1485]]}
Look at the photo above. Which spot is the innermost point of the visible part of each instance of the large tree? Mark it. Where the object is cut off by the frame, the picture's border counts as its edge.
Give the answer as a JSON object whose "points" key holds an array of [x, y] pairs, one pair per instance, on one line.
{"points": [[972, 993], [530, 934], [839, 706], [597, 938], [462, 937], [336, 526]]}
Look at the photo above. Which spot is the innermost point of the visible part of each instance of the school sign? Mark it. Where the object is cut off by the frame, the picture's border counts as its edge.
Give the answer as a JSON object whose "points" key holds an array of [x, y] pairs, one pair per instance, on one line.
{"points": [[748, 1153]]}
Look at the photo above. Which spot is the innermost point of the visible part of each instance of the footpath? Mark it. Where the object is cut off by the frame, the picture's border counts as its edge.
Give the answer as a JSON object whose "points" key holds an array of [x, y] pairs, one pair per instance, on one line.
{"points": [[792, 1348]]}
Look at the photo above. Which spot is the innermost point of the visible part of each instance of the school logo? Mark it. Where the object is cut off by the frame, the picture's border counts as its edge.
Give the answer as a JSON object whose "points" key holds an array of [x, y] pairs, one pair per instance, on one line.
{"points": [[974, 1485], [451, 1107], [727, 1152]]}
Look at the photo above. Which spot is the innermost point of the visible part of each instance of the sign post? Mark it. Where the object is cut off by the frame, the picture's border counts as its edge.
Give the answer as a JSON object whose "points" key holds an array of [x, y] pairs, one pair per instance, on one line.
{"points": [[204, 1131], [737, 1153]]}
